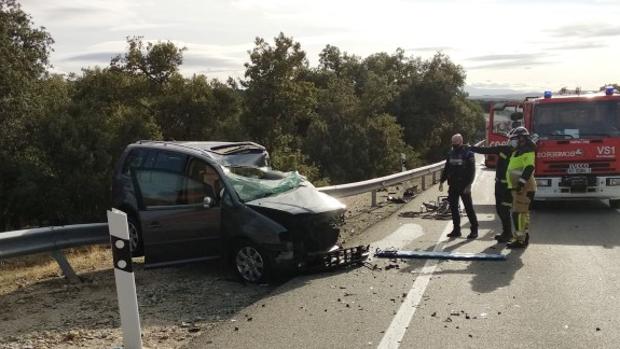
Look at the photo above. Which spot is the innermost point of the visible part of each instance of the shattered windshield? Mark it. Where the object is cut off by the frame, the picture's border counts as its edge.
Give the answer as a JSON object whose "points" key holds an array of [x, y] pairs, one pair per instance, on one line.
{"points": [[253, 183], [577, 120]]}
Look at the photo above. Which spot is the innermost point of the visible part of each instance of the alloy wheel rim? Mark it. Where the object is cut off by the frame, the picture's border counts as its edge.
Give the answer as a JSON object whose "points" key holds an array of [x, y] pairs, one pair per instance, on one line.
{"points": [[133, 236], [250, 264]]}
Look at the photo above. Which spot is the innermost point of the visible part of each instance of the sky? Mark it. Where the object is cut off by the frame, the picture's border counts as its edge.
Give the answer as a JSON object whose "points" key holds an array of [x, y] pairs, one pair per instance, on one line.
{"points": [[505, 46]]}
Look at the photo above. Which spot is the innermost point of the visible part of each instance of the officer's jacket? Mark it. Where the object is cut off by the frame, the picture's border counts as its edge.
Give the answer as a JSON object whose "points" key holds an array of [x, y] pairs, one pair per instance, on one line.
{"points": [[460, 169]]}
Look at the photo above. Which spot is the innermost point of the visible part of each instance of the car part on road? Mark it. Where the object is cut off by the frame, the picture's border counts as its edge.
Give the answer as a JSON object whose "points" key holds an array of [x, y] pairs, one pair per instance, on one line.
{"points": [[408, 195], [439, 209], [439, 255], [340, 258]]}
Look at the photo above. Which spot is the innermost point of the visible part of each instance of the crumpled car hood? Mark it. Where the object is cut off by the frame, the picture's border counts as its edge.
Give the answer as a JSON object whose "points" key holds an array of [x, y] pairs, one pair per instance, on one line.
{"points": [[304, 199]]}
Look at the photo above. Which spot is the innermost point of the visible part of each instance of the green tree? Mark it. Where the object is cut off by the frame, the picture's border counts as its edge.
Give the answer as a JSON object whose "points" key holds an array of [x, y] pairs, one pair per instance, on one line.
{"points": [[24, 51], [279, 103], [433, 106], [156, 61]]}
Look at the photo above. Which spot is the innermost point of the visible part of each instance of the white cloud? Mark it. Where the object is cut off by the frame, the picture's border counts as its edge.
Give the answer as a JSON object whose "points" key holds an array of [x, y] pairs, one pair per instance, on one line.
{"points": [[579, 38]]}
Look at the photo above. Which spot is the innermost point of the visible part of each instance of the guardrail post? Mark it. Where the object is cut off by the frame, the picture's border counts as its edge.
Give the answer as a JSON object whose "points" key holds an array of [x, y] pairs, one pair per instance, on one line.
{"points": [[64, 265], [423, 182], [125, 281], [434, 177], [373, 199]]}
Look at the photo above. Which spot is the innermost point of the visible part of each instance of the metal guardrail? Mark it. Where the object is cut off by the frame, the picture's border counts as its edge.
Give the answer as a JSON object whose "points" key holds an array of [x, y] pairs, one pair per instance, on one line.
{"points": [[31, 241], [55, 239], [372, 185]]}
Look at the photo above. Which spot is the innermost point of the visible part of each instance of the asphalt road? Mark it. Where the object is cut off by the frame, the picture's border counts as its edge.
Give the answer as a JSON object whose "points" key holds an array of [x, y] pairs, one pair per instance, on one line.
{"points": [[561, 292]]}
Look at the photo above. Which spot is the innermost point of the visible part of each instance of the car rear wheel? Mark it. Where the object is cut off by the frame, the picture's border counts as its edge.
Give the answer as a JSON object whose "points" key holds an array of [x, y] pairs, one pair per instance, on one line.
{"points": [[251, 264], [135, 237], [614, 203]]}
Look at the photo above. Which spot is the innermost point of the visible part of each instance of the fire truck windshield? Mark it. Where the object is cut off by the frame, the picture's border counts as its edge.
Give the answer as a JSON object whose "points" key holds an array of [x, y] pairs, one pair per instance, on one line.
{"points": [[590, 119], [501, 121]]}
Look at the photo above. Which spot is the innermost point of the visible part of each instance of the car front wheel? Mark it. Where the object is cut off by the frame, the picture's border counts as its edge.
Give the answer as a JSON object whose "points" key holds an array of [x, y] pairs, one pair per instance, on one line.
{"points": [[135, 237], [251, 264]]}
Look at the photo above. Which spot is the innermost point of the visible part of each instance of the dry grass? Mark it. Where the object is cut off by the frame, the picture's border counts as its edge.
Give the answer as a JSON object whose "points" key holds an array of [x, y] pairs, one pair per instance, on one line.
{"points": [[19, 272]]}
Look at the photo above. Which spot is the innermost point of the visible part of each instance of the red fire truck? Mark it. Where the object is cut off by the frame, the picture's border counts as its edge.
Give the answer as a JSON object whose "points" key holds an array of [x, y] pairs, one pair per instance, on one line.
{"points": [[499, 124], [578, 143]]}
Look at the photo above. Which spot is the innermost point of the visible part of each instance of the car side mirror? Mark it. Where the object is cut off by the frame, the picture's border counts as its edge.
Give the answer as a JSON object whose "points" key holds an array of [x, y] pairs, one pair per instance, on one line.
{"points": [[207, 202]]}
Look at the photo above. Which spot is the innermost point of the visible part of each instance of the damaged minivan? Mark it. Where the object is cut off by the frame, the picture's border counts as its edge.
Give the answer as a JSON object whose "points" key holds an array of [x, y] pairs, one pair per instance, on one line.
{"points": [[194, 201]]}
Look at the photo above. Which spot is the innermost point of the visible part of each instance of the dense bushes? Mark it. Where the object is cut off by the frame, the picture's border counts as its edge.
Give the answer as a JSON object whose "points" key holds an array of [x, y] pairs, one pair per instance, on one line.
{"points": [[347, 119]]}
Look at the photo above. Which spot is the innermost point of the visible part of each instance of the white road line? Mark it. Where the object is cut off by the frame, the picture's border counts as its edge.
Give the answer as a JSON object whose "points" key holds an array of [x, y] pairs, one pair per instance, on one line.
{"points": [[395, 333]]}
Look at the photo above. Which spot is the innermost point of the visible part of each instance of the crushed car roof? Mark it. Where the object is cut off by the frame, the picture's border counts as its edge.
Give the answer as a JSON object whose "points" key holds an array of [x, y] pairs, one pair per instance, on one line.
{"points": [[226, 153]]}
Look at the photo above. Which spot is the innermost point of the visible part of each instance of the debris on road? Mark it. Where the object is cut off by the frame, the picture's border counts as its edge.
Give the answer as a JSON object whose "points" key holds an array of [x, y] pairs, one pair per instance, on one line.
{"points": [[439, 209], [408, 195], [438, 255], [392, 266]]}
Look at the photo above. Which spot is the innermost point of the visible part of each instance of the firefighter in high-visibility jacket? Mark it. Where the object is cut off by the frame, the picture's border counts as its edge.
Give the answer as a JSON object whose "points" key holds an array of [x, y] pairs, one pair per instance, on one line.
{"points": [[520, 178], [503, 196]]}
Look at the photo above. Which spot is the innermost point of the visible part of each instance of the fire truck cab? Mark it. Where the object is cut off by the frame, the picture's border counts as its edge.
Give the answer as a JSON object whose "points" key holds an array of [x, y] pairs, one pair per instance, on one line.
{"points": [[578, 139], [502, 118]]}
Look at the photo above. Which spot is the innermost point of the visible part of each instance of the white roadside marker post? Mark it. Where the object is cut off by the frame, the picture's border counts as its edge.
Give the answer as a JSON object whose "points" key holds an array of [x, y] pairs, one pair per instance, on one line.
{"points": [[125, 281]]}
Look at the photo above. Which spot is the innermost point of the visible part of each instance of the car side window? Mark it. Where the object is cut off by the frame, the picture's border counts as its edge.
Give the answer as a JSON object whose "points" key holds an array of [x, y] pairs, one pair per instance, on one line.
{"points": [[161, 179], [170, 162], [135, 159], [160, 188], [202, 180]]}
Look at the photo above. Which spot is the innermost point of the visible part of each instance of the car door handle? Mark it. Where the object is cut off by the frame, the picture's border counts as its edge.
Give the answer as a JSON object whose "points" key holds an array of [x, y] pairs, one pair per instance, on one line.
{"points": [[154, 225]]}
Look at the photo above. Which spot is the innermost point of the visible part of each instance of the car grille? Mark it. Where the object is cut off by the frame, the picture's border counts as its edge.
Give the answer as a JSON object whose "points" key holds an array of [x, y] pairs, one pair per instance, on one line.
{"points": [[561, 168]]}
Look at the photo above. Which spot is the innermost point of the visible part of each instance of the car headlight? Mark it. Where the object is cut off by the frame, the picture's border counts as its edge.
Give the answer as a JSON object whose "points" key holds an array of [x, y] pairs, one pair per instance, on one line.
{"points": [[543, 182], [613, 182]]}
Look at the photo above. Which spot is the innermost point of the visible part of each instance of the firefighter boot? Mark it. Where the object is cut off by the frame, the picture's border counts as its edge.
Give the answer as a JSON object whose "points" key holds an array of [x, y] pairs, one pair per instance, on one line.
{"points": [[515, 243], [454, 233], [527, 238], [519, 239], [474, 232], [503, 237]]}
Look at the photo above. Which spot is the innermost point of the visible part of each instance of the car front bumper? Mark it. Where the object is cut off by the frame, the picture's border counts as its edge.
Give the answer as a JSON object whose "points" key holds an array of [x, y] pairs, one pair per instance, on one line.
{"points": [[334, 258]]}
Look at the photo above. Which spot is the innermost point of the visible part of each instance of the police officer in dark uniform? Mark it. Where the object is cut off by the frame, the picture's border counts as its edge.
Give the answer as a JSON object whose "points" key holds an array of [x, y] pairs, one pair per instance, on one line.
{"points": [[459, 171], [503, 195]]}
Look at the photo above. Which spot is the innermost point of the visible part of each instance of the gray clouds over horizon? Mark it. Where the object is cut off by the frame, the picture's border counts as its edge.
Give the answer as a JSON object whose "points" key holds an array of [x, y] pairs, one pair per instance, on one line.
{"points": [[508, 60], [594, 30]]}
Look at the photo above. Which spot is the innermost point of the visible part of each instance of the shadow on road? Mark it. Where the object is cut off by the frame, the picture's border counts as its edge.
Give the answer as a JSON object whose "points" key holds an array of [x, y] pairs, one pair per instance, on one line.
{"points": [[489, 276]]}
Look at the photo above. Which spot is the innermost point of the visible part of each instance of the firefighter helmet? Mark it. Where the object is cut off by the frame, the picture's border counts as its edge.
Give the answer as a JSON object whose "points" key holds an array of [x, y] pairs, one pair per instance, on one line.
{"points": [[518, 132]]}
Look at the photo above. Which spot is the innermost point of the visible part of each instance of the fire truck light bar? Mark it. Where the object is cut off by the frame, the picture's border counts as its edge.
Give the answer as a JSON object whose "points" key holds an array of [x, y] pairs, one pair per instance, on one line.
{"points": [[609, 90], [548, 94]]}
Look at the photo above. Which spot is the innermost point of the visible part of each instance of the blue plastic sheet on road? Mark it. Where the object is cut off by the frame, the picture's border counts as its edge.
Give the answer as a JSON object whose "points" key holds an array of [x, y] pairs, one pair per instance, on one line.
{"points": [[439, 255]]}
